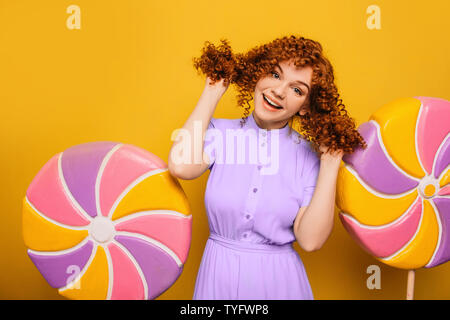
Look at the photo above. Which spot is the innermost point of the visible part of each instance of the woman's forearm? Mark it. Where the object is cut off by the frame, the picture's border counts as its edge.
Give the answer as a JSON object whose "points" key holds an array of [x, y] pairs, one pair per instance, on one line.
{"points": [[185, 156], [317, 221]]}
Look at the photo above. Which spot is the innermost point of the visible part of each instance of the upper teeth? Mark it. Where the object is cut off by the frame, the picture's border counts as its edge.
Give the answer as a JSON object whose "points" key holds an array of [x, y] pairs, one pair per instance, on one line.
{"points": [[271, 102]]}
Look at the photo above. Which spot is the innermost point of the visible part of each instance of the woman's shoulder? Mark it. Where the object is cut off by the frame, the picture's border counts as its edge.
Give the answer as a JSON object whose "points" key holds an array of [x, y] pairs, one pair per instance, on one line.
{"points": [[224, 123], [300, 140], [305, 149]]}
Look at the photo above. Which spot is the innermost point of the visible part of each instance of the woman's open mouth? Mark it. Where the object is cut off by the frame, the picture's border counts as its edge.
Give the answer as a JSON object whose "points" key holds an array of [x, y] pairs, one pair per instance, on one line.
{"points": [[269, 105]]}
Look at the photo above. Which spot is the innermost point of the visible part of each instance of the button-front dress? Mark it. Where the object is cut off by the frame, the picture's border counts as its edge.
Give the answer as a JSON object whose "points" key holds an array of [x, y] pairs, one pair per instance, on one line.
{"points": [[251, 207]]}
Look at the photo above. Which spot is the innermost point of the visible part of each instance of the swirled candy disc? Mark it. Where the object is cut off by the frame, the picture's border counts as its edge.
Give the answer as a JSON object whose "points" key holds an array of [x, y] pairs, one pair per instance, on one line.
{"points": [[394, 196], [105, 220]]}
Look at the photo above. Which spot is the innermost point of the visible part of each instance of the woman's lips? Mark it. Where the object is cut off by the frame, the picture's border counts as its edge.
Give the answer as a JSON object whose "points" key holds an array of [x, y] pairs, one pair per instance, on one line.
{"points": [[268, 106]]}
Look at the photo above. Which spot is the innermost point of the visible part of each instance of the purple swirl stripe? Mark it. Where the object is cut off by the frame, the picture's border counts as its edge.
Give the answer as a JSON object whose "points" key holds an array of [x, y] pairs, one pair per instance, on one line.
{"points": [[159, 268], [80, 165], [443, 252], [57, 268], [374, 166]]}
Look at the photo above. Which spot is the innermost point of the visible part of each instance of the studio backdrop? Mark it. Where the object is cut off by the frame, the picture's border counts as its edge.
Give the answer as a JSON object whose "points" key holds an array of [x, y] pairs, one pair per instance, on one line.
{"points": [[73, 72]]}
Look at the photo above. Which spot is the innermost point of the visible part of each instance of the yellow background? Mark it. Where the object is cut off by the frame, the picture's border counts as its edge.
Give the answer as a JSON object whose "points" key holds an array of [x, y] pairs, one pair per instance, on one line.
{"points": [[127, 76]]}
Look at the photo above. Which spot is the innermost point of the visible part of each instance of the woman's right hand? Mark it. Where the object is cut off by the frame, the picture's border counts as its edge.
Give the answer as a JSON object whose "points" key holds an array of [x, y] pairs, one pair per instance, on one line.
{"points": [[218, 88]]}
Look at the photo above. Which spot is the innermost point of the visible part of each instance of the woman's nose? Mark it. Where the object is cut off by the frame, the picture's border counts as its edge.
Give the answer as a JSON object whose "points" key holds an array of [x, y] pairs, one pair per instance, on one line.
{"points": [[278, 92]]}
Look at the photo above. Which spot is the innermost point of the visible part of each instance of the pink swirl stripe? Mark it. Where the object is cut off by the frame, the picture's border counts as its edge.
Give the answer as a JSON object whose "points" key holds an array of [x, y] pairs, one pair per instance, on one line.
{"points": [[46, 193], [127, 283], [433, 126], [443, 252], [444, 191], [172, 230], [383, 241], [119, 173]]}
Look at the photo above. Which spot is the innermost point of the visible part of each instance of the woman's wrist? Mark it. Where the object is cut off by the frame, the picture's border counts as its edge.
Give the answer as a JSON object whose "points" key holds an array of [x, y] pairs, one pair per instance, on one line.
{"points": [[216, 90], [331, 159], [330, 164], [213, 93]]}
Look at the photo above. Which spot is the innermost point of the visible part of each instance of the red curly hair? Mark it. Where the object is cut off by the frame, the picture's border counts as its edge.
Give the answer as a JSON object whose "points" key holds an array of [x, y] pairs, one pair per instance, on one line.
{"points": [[327, 122]]}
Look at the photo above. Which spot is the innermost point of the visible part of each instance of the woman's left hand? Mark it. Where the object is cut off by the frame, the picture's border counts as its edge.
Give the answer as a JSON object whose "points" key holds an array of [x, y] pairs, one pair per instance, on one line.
{"points": [[334, 157]]}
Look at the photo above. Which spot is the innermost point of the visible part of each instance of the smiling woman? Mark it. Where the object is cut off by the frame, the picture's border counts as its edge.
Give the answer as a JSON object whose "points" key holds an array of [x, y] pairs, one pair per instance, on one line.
{"points": [[254, 216], [284, 93], [291, 72]]}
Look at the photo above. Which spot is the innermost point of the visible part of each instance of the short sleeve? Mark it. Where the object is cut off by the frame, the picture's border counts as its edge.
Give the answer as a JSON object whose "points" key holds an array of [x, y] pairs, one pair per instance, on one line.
{"points": [[208, 146], [310, 174]]}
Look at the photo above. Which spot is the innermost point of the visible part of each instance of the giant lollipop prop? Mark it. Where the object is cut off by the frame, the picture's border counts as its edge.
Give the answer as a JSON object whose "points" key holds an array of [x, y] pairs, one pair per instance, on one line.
{"points": [[394, 196], [105, 220]]}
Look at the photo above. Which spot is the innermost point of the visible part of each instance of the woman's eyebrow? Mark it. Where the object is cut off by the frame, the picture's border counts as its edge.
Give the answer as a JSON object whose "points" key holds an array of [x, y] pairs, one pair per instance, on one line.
{"points": [[296, 81], [301, 82]]}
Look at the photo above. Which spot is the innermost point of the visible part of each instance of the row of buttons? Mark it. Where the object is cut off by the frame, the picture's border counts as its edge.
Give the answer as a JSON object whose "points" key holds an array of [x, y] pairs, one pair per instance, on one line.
{"points": [[245, 235], [264, 139], [263, 144], [248, 217]]}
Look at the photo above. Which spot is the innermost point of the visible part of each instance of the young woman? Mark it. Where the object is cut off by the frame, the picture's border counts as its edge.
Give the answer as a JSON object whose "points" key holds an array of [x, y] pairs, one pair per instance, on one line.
{"points": [[256, 209]]}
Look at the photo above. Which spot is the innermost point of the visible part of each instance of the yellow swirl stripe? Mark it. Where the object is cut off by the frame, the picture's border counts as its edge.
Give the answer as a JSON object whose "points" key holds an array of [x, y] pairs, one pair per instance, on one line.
{"points": [[43, 234], [368, 206], [158, 191], [398, 120]]}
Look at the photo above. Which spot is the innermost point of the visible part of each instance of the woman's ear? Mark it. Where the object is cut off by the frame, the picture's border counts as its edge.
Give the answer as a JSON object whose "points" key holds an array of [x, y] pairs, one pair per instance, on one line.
{"points": [[303, 110]]}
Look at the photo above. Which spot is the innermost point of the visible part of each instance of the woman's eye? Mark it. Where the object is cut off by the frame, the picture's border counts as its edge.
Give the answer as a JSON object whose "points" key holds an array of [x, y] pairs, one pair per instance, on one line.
{"points": [[274, 73], [298, 91]]}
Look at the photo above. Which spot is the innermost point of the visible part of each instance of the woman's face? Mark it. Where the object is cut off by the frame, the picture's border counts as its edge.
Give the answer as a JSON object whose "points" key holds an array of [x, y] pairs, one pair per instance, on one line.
{"points": [[288, 88]]}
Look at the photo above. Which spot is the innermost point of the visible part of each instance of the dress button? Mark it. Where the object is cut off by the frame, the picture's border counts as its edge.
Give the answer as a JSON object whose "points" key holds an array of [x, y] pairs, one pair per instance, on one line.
{"points": [[263, 144], [248, 216], [263, 133], [255, 189], [259, 167], [245, 235]]}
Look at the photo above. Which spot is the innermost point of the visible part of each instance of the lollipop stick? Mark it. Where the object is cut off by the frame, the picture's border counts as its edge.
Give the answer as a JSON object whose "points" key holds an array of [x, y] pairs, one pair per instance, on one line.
{"points": [[410, 287]]}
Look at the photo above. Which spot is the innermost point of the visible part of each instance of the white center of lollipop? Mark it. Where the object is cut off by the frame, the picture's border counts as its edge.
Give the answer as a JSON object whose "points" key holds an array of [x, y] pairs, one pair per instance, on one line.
{"points": [[428, 187], [102, 229]]}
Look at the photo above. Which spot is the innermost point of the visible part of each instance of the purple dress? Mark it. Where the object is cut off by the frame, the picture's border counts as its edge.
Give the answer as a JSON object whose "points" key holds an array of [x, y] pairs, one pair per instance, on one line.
{"points": [[251, 208]]}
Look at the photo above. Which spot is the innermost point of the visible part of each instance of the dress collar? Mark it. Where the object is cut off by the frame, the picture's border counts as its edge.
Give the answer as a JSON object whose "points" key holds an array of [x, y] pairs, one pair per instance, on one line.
{"points": [[252, 123]]}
